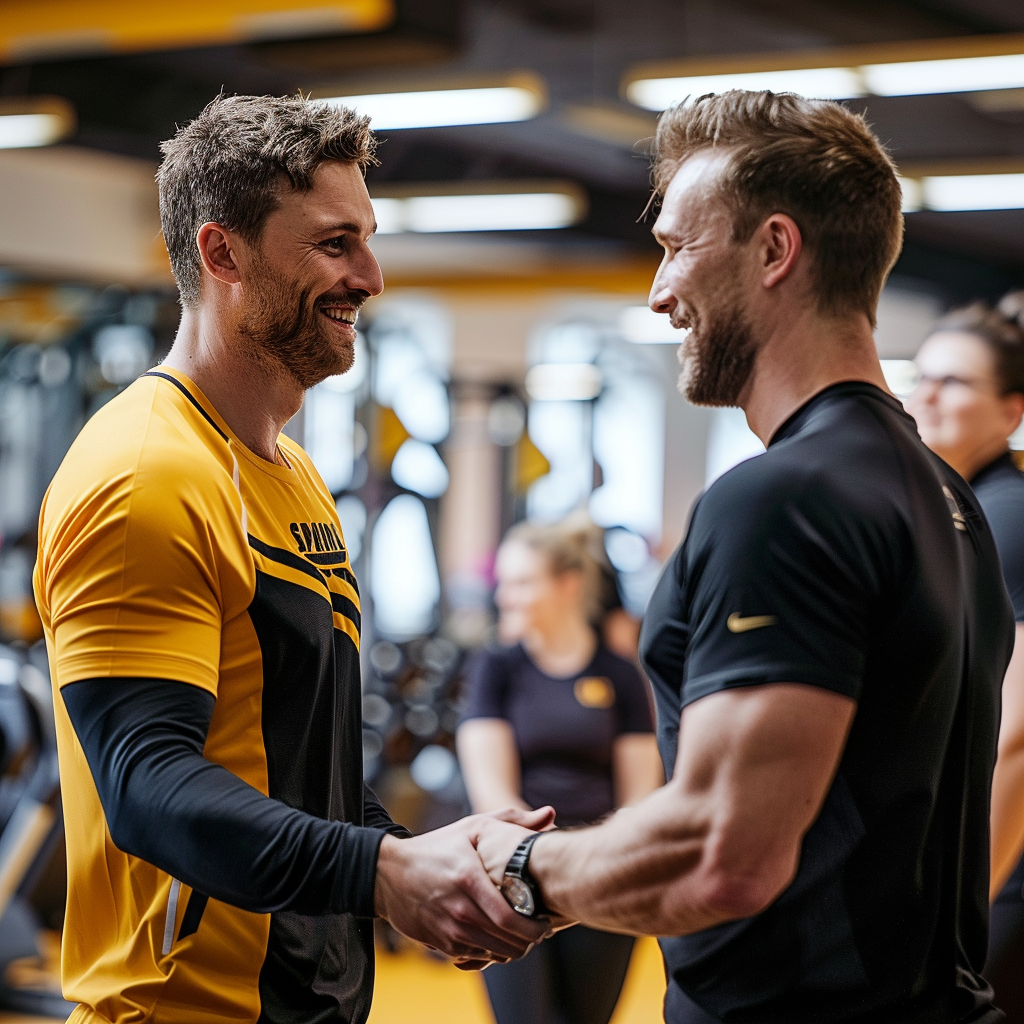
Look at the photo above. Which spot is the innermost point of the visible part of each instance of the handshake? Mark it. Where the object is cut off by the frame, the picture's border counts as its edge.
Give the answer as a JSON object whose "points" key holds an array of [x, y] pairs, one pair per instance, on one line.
{"points": [[441, 888]]}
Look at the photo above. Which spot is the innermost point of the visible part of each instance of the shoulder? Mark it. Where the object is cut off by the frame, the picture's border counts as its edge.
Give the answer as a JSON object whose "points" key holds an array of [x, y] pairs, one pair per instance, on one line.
{"points": [[496, 658], [138, 458], [1001, 493], [757, 498]]}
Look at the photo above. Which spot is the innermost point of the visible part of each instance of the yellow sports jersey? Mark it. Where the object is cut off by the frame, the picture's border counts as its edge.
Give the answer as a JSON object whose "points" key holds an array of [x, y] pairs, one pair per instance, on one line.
{"points": [[168, 550]]}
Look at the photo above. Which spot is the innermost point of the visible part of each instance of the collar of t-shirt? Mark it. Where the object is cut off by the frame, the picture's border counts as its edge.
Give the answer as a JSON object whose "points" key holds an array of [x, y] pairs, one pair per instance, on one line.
{"points": [[797, 419]]}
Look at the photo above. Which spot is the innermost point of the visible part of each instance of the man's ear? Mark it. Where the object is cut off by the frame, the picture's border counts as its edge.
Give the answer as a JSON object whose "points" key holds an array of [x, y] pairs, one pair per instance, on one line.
{"points": [[214, 244], [781, 245]]}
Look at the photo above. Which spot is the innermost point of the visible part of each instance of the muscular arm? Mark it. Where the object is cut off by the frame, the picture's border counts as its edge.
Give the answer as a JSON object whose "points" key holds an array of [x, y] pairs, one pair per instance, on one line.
{"points": [[1007, 815], [166, 804], [721, 840], [490, 764]]}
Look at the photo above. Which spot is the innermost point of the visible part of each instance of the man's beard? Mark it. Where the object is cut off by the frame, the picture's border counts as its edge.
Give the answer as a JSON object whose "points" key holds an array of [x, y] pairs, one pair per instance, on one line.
{"points": [[717, 358], [288, 329]]}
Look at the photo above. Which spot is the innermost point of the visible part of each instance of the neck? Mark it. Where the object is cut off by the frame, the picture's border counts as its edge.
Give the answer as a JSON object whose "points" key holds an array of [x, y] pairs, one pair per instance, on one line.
{"points": [[254, 397], [969, 463], [801, 357], [562, 647]]}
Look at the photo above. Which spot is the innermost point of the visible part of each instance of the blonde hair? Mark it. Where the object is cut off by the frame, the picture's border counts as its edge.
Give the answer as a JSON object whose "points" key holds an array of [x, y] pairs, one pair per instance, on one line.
{"points": [[574, 544]]}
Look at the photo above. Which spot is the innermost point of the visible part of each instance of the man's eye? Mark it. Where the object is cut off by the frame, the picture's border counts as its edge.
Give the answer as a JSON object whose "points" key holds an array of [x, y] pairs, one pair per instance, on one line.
{"points": [[335, 243]]}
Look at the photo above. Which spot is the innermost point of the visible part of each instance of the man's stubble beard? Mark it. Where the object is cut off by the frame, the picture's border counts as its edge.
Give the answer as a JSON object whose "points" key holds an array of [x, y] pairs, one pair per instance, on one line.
{"points": [[287, 332], [718, 358]]}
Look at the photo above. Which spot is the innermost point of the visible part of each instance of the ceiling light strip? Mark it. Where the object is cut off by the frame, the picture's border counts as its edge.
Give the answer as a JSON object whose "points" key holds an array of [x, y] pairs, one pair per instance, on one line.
{"points": [[949, 193], [852, 74], [438, 108], [513, 211]]}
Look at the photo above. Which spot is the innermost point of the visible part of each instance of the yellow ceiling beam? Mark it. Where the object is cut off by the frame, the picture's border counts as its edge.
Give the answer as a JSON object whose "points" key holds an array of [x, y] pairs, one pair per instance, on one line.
{"points": [[34, 29], [627, 278]]}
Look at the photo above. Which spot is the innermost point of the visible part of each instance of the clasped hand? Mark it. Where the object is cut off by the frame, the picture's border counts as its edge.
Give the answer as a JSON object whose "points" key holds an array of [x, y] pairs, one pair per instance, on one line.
{"points": [[436, 889]]}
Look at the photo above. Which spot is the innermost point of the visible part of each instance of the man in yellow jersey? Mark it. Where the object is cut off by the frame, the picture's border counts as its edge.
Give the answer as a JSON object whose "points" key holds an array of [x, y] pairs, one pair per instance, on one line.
{"points": [[225, 858]]}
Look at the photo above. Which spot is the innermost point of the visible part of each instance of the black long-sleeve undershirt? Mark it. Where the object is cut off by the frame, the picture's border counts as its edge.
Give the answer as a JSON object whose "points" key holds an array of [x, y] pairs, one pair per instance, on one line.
{"points": [[166, 804]]}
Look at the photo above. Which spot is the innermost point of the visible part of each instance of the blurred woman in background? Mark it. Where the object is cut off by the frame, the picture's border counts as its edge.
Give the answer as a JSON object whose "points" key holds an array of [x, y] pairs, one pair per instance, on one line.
{"points": [[969, 400], [556, 718]]}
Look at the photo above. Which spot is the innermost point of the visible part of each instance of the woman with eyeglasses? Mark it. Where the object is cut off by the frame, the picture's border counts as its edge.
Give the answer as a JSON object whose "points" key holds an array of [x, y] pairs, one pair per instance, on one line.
{"points": [[968, 401]]}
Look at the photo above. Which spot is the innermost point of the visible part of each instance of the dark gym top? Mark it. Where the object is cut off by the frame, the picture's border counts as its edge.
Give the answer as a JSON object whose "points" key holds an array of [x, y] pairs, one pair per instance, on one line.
{"points": [[851, 558], [1000, 490], [564, 728]]}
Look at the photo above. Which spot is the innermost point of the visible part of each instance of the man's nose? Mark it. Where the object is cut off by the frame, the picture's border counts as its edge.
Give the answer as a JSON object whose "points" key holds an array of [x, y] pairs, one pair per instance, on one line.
{"points": [[661, 299], [364, 274]]}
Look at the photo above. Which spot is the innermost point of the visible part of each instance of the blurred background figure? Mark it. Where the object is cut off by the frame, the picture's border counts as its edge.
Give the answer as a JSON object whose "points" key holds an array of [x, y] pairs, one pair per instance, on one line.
{"points": [[968, 401], [557, 718]]}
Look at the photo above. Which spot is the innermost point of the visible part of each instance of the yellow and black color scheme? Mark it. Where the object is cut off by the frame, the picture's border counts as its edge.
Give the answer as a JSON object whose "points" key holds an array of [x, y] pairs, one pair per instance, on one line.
{"points": [[169, 551]]}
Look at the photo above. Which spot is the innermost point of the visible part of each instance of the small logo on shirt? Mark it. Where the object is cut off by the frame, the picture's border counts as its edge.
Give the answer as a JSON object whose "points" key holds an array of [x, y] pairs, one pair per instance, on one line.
{"points": [[594, 692], [954, 509], [319, 542], [741, 623]]}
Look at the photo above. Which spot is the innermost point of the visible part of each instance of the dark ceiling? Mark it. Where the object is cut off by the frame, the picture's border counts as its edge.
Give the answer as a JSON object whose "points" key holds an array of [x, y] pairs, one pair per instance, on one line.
{"points": [[580, 48]]}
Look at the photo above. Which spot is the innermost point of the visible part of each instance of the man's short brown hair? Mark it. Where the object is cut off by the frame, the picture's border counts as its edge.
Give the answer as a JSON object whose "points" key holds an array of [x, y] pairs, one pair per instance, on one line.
{"points": [[811, 159], [229, 165]]}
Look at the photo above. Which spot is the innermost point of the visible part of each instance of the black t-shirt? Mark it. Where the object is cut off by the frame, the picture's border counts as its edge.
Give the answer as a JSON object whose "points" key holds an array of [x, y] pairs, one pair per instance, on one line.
{"points": [[1000, 490], [564, 728], [851, 558]]}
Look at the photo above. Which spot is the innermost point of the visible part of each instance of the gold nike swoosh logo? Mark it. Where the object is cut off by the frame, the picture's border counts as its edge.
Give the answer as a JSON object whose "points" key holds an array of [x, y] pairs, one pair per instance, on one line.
{"points": [[741, 623]]}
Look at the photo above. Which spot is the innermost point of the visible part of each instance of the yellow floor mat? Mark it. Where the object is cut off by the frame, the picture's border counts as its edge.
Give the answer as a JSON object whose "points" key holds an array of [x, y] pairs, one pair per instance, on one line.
{"points": [[413, 988]]}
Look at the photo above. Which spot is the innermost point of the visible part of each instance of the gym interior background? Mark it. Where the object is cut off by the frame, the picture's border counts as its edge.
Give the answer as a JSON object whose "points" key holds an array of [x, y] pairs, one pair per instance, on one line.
{"points": [[509, 370]]}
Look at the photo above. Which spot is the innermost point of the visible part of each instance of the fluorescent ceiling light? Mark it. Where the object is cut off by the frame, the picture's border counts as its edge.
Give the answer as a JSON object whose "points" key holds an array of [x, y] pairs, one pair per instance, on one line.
{"points": [[642, 326], [563, 382], [34, 121], [23, 130], [436, 108], [951, 192], [513, 211], [962, 74], [895, 78], [822, 83]]}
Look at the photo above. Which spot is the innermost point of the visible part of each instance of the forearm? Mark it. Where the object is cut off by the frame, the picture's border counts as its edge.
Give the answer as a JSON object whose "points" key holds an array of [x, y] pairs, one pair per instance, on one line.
{"points": [[1007, 809], [490, 765], [622, 876], [166, 804], [1007, 817], [218, 835]]}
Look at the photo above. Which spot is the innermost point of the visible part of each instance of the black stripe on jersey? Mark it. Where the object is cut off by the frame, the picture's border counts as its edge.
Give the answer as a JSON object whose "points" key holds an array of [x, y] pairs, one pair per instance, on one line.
{"points": [[346, 607], [285, 557], [344, 574], [188, 394], [325, 557], [193, 914]]}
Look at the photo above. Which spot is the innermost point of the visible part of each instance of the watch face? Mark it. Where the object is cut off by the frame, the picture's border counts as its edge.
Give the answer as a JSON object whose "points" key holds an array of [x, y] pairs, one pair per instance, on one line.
{"points": [[519, 896]]}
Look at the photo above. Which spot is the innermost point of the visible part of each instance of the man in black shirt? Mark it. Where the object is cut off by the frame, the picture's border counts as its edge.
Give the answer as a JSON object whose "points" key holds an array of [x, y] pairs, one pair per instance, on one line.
{"points": [[828, 643]]}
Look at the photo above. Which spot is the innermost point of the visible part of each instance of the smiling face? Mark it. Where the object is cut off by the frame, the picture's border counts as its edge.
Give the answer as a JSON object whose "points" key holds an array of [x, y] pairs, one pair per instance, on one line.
{"points": [[703, 283], [305, 280], [958, 404], [530, 597]]}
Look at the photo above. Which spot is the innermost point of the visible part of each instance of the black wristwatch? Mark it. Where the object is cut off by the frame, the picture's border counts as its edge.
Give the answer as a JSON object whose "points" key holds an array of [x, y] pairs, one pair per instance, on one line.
{"points": [[518, 885]]}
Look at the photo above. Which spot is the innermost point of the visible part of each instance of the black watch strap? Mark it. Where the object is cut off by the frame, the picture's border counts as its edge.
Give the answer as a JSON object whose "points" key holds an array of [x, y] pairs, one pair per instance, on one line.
{"points": [[519, 867]]}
